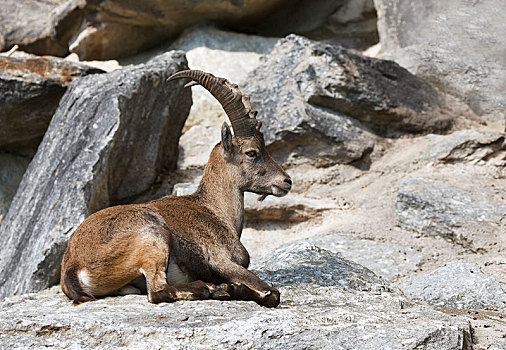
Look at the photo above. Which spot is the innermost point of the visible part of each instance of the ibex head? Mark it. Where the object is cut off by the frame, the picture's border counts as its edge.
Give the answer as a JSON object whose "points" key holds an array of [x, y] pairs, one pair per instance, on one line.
{"points": [[245, 151]]}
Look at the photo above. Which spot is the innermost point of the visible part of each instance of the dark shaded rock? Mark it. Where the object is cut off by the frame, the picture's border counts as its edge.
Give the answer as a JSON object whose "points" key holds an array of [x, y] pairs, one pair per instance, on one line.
{"points": [[12, 169], [40, 27], [110, 138], [439, 209], [30, 89], [458, 46], [458, 285], [305, 85], [144, 24], [352, 23]]}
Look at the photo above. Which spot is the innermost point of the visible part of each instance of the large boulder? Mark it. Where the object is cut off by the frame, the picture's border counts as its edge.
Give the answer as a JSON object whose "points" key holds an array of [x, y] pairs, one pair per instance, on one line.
{"points": [[457, 45], [40, 27], [318, 99], [326, 303], [457, 285], [325, 78], [148, 23], [109, 140], [30, 90]]}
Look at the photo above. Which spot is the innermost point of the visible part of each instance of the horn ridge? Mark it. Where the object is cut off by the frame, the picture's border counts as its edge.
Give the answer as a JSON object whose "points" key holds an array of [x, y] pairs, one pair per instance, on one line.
{"points": [[237, 106]]}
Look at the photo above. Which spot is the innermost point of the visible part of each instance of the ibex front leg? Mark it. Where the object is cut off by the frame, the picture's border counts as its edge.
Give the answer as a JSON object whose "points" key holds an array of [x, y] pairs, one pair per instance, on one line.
{"points": [[245, 285]]}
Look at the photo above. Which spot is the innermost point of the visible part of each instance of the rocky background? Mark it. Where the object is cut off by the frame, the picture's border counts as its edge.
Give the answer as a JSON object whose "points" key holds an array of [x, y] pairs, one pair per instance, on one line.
{"points": [[388, 115]]}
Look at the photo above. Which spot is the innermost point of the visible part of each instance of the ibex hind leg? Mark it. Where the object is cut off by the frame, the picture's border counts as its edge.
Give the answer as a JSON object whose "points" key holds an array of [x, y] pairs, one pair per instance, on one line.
{"points": [[160, 291]]}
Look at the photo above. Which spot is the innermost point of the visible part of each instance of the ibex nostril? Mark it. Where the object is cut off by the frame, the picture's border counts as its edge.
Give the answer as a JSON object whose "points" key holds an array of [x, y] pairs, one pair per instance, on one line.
{"points": [[288, 181]]}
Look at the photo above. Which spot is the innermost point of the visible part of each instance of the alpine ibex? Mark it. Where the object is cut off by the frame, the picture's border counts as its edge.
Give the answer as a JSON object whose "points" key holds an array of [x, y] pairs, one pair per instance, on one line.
{"points": [[186, 247]]}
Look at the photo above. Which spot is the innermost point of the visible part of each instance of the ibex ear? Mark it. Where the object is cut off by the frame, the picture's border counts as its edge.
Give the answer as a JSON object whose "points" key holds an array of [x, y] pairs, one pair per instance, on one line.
{"points": [[226, 138]]}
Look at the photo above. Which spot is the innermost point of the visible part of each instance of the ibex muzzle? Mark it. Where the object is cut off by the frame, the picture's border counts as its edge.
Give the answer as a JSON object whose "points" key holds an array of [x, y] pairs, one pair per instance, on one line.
{"points": [[186, 247]]}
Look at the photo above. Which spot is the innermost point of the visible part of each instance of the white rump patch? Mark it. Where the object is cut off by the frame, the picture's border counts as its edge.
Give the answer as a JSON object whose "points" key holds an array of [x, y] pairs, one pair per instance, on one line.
{"points": [[84, 280]]}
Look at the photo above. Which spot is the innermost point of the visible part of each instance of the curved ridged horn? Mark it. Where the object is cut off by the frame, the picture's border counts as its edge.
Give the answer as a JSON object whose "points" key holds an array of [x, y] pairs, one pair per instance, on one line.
{"points": [[236, 105]]}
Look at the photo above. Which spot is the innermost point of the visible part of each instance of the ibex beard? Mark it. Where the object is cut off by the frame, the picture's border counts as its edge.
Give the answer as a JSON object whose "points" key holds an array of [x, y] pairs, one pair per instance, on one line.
{"points": [[187, 247]]}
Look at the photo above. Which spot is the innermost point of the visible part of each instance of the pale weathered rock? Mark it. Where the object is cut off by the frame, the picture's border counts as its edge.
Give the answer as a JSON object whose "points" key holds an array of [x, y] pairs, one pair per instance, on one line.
{"points": [[498, 346], [30, 89], [40, 27], [457, 45], [387, 260], [302, 83], [458, 285], [439, 209], [12, 169], [287, 209], [108, 141], [323, 307]]}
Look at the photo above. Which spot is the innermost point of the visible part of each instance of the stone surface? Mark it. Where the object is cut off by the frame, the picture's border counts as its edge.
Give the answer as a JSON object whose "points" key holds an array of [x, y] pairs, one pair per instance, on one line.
{"points": [[457, 45], [148, 23], [40, 27], [303, 263], [12, 169], [458, 285], [317, 106], [437, 208], [287, 209], [109, 140], [352, 23], [387, 260], [30, 89], [324, 306]]}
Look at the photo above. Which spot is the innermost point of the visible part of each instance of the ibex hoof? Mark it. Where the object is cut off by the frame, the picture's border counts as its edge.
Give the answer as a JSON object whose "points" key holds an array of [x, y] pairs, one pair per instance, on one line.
{"points": [[271, 299]]}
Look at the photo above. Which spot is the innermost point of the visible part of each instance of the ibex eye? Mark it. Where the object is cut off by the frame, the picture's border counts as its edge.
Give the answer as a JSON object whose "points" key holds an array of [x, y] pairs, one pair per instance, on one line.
{"points": [[251, 154]]}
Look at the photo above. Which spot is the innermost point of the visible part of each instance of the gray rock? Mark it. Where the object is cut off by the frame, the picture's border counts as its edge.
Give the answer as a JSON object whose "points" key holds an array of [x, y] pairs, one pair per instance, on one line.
{"points": [[303, 263], [439, 209], [149, 23], [321, 309], [30, 90], [185, 188], [40, 27], [12, 169], [458, 285], [352, 23], [459, 46], [316, 105], [468, 146], [387, 260], [497, 346], [108, 141]]}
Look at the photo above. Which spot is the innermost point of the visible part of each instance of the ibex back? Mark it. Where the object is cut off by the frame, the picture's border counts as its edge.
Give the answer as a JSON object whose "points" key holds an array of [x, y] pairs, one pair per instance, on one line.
{"points": [[186, 247]]}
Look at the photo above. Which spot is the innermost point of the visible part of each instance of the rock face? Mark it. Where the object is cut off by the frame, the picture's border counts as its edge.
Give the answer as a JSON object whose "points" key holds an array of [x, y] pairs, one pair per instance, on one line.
{"points": [[12, 169], [459, 46], [327, 303], [109, 139], [30, 90], [458, 285], [40, 27], [149, 23], [437, 208], [328, 89]]}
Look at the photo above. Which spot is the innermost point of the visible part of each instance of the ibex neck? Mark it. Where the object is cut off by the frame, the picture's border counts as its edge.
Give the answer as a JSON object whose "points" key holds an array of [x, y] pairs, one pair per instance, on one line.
{"points": [[219, 191]]}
